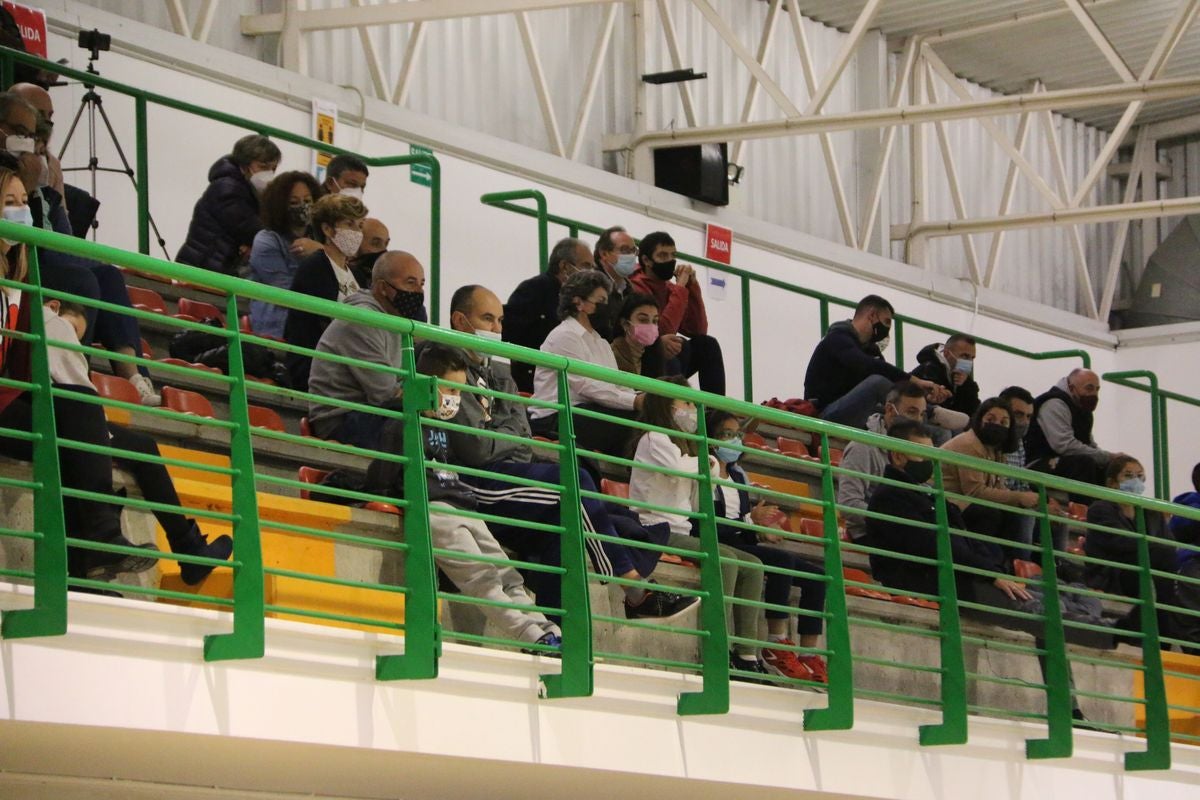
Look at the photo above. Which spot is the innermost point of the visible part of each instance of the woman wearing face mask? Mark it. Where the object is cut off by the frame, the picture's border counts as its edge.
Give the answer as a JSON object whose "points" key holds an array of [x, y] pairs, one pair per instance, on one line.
{"points": [[741, 572], [634, 349], [1125, 473], [226, 217], [734, 504], [279, 246], [74, 420], [583, 295], [326, 273], [989, 437]]}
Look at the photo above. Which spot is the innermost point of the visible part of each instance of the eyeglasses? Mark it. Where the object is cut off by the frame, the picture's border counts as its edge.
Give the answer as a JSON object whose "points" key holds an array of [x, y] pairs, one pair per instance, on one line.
{"points": [[727, 436]]}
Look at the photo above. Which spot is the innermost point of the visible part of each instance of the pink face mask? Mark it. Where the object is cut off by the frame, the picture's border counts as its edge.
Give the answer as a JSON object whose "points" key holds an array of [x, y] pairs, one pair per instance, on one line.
{"points": [[645, 333]]}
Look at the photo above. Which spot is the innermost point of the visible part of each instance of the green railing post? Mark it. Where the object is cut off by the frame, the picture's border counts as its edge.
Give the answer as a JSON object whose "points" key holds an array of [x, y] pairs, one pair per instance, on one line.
{"points": [[1164, 451], [48, 617], [143, 175], [248, 638], [576, 678], [435, 239], [1160, 457], [838, 714], [747, 344], [898, 338], [713, 698], [422, 635], [824, 316], [1059, 741], [1157, 754], [953, 727]]}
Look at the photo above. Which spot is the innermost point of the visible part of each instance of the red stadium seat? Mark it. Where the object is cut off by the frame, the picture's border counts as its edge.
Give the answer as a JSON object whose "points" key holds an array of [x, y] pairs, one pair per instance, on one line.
{"points": [[310, 475], [115, 387], [835, 455], [187, 402], [261, 417], [305, 429], [614, 488], [147, 350], [199, 310], [179, 362], [146, 300], [756, 441], [791, 447], [857, 575]]}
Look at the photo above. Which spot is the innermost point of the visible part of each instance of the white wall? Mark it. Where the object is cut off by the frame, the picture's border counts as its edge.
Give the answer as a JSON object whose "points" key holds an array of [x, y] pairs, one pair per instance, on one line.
{"points": [[498, 249]]}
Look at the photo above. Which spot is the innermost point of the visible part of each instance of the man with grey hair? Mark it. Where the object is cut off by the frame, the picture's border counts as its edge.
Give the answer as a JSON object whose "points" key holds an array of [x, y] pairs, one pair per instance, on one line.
{"points": [[368, 344], [531, 311], [616, 255], [1060, 436], [583, 296]]}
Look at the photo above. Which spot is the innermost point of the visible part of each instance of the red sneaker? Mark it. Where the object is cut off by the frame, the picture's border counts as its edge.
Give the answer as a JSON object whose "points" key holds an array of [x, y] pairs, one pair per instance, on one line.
{"points": [[816, 665], [786, 663]]}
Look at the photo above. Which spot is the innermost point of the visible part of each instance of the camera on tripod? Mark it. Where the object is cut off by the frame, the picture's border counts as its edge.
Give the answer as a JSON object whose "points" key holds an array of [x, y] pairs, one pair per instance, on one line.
{"points": [[94, 42]]}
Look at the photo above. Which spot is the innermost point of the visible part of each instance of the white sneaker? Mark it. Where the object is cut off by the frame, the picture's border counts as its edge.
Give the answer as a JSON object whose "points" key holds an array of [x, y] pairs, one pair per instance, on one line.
{"points": [[146, 390]]}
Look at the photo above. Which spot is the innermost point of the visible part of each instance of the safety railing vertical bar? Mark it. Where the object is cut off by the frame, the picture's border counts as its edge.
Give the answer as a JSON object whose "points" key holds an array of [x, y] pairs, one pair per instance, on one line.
{"points": [[1157, 754], [1059, 741], [1159, 400]]}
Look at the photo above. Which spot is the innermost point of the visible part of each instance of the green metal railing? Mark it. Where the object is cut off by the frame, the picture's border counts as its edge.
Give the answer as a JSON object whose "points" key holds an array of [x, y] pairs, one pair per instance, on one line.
{"points": [[508, 202], [144, 99], [251, 487], [1159, 398]]}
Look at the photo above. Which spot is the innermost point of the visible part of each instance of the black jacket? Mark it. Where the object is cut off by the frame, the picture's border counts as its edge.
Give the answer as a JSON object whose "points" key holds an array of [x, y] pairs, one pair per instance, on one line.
{"points": [[840, 362], [910, 540], [1037, 448], [225, 218], [930, 367], [529, 315], [1122, 549], [728, 533]]}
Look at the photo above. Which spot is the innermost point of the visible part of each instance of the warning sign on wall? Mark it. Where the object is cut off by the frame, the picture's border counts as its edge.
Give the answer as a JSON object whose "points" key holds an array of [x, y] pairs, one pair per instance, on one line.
{"points": [[324, 116]]}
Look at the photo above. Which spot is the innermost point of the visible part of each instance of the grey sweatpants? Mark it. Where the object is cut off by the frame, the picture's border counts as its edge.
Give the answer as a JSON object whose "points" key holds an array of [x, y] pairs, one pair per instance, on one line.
{"points": [[742, 582], [485, 580]]}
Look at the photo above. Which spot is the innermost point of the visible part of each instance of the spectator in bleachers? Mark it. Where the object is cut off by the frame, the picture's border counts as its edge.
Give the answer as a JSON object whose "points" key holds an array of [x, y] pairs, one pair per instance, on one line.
{"points": [[906, 400], [1187, 591], [847, 377], [636, 345], [952, 366], [584, 295], [367, 344], [1020, 406], [40, 99], [485, 580], [741, 572], [1188, 530], [66, 322], [226, 217], [616, 254], [682, 318], [990, 436], [84, 277], [81, 469], [376, 239], [476, 310], [279, 246], [734, 504], [532, 308], [338, 222], [1125, 473], [346, 175], [1060, 436]]}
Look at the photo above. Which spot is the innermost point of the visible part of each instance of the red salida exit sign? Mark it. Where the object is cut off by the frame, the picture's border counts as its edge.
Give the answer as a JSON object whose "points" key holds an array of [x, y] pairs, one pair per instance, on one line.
{"points": [[32, 22], [718, 243]]}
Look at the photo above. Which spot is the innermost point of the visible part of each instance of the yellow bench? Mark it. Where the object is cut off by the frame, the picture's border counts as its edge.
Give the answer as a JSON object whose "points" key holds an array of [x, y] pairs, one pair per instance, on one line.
{"points": [[1181, 691]]}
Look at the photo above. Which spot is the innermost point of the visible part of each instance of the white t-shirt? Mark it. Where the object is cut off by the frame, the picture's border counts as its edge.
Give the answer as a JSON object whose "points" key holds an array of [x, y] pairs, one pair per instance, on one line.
{"points": [[664, 490], [733, 502], [68, 367], [347, 285]]}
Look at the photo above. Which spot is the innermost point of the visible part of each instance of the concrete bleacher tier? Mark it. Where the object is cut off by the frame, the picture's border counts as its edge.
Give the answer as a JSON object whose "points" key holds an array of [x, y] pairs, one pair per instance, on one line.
{"points": [[358, 561]]}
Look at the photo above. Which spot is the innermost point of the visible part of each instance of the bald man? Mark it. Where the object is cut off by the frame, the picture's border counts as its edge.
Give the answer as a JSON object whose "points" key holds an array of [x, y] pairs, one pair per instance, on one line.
{"points": [[368, 345], [40, 99], [376, 239], [1060, 436]]}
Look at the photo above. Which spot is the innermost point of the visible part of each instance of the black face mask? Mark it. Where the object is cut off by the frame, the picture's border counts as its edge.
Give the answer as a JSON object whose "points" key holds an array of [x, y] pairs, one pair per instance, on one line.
{"points": [[664, 270], [299, 216], [919, 471], [408, 304], [992, 434], [879, 332], [365, 262]]}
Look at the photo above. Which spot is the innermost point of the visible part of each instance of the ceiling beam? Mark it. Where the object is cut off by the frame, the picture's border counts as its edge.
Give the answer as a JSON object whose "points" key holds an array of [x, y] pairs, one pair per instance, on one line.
{"points": [[1117, 212]]}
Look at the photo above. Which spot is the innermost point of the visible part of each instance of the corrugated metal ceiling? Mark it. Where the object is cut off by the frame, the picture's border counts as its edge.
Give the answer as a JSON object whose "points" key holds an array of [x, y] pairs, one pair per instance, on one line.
{"points": [[1053, 49]]}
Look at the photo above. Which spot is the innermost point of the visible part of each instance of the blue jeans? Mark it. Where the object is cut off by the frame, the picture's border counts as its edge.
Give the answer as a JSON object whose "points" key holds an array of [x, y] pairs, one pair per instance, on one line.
{"points": [[856, 405]]}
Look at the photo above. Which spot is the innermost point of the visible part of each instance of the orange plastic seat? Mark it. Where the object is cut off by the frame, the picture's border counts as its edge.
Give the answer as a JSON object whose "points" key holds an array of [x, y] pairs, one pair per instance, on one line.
{"points": [[310, 475], [199, 310], [187, 402], [262, 417], [115, 387], [915, 601], [756, 441], [179, 362], [146, 300], [835, 455], [147, 350], [792, 447], [859, 576], [614, 488], [305, 429]]}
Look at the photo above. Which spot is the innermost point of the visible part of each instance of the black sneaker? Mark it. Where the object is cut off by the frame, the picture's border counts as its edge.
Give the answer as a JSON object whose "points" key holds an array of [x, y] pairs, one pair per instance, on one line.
{"points": [[659, 605], [220, 548], [104, 566], [755, 666]]}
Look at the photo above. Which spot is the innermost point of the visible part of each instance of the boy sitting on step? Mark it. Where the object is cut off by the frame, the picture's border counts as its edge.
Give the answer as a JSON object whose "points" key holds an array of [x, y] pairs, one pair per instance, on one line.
{"points": [[66, 322]]}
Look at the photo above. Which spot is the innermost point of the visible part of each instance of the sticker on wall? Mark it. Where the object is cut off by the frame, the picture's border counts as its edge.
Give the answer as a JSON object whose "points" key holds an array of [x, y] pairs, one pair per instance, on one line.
{"points": [[324, 118], [420, 174], [717, 282]]}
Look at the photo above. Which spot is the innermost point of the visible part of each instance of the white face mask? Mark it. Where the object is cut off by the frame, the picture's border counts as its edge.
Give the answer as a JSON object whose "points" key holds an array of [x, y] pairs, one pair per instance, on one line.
{"points": [[448, 406], [494, 337], [260, 179], [685, 419], [19, 145], [348, 240], [348, 191], [21, 215]]}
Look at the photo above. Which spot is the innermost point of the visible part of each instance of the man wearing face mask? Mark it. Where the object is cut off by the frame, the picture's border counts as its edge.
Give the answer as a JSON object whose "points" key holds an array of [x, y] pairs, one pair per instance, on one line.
{"points": [[847, 377], [226, 217], [376, 238], [616, 255], [1060, 437], [682, 318], [532, 308], [366, 344], [346, 175], [952, 366]]}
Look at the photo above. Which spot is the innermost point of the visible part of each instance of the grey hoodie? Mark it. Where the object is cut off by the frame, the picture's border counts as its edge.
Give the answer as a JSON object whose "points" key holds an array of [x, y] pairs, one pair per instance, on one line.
{"points": [[344, 382], [854, 491], [1054, 418]]}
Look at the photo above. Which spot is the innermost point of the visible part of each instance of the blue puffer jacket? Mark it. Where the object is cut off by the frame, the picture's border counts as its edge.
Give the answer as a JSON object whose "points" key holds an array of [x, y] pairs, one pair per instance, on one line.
{"points": [[1187, 530], [225, 219]]}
